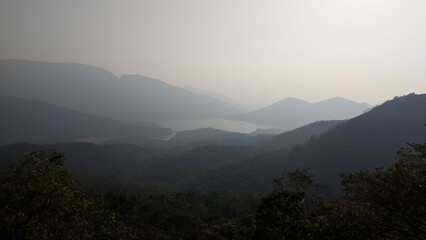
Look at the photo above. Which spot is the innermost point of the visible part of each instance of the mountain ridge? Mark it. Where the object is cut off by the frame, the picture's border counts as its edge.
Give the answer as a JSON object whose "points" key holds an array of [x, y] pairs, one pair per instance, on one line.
{"points": [[290, 112], [365, 142], [361, 143], [29, 120], [96, 91]]}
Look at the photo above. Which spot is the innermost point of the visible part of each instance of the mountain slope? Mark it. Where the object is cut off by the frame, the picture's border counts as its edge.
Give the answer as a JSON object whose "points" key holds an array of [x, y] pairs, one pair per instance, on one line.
{"points": [[209, 136], [96, 91], [301, 134], [24, 120], [191, 139], [203, 134], [96, 166], [229, 100], [291, 112], [104, 167], [365, 142], [362, 143]]}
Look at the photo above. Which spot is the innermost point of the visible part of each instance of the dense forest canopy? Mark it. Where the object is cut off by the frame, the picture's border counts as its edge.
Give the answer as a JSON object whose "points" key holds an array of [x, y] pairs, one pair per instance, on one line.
{"points": [[40, 201]]}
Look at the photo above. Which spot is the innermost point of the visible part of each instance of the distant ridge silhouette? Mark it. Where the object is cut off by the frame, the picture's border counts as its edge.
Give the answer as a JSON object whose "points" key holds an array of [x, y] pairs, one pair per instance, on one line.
{"points": [[290, 113], [96, 91]]}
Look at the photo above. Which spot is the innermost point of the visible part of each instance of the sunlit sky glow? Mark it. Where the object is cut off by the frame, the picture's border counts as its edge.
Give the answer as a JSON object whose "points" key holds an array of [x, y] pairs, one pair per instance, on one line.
{"points": [[255, 51]]}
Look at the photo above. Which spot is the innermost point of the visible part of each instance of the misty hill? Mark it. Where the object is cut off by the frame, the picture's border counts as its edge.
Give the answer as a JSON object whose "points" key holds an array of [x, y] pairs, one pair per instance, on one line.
{"points": [[362, 143], [301, 134], [271, 131], [292, 112], [210, 136], [191, 139], [203, 134], [140, 141], [229, 100], [96, 91], [24, 120]]}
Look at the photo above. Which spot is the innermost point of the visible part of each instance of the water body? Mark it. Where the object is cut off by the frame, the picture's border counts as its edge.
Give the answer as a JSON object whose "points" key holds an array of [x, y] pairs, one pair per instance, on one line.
{"points": [[218, 123]]}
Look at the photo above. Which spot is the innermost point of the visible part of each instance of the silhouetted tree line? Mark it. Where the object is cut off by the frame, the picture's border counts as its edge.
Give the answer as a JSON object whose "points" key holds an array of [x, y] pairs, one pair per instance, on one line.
{"points": [[38, 200], [380, 204]]}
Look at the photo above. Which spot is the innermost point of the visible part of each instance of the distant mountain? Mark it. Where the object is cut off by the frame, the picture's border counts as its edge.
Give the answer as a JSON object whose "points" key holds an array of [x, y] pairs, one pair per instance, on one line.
{"points": [[301, 134], [96, 91], [229, 100], [290, 113], [33, 121], [362, 143], [271, 131]]}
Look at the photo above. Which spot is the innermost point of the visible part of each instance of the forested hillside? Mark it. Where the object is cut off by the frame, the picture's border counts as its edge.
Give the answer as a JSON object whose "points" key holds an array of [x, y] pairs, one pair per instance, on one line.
{"points": [[40, 200], [364, 142], [213, 120], [33, 121]]}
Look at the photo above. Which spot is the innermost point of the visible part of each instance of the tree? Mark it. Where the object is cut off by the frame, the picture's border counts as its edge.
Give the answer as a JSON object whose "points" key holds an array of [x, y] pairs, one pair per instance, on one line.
{"points": [[281, 217], [300, 181], [393, 199], [380, 204], [38, 200]]}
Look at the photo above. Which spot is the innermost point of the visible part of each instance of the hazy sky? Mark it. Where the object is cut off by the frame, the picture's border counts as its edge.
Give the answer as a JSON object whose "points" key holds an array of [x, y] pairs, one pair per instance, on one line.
{"points": [[256, 51]]}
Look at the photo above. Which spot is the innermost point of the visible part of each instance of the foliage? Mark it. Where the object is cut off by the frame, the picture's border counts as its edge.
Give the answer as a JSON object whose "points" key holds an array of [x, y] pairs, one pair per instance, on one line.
{"points": [[393, 199], [380, 204], [38, 200], [186, 215], [302, 182], [281, 216]]}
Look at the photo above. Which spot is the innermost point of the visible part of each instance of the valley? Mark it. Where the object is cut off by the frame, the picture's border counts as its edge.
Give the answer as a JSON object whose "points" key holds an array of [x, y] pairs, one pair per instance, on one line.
{"points": [[212, 120]]}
